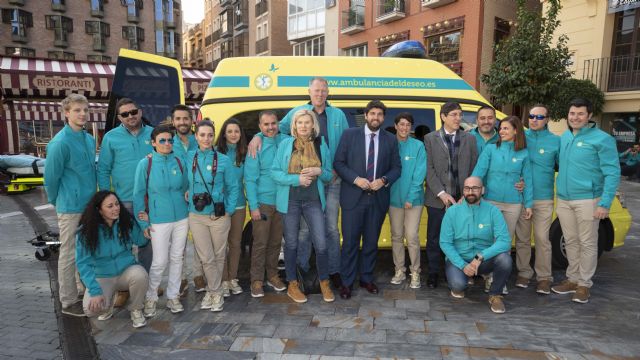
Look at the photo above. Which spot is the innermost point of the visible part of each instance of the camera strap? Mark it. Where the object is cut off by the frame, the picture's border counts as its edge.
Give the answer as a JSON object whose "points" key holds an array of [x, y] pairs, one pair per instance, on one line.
{"points": [[214, 169]]}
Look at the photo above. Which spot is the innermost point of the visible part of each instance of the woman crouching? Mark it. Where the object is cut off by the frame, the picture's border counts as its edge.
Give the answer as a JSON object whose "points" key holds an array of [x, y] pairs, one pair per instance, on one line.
{"points": [[106, 265], [300, 169]]}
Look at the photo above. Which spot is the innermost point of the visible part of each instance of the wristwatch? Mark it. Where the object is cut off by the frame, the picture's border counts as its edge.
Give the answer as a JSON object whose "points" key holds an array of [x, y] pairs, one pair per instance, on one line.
{"points": [[384, 180], [479, 257]]}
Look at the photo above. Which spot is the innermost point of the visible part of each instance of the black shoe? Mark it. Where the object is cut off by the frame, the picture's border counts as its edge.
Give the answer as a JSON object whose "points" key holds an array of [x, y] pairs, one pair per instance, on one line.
{"points": [[336, 280], [74, 310], [432, 281], [345, 292], [371, 287]]}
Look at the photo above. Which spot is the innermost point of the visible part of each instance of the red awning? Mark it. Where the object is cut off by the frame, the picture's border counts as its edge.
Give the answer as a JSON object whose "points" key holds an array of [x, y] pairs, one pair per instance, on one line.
{"points": [[45, 111], [22, 78]]}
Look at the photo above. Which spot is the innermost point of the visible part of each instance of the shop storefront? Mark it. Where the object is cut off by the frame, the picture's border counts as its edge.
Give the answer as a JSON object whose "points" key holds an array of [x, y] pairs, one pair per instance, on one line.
{"points": [[31, 89]]}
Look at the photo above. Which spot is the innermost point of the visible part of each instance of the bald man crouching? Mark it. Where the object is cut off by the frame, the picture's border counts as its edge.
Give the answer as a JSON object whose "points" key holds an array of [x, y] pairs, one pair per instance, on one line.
{"points": [[475, 239]]}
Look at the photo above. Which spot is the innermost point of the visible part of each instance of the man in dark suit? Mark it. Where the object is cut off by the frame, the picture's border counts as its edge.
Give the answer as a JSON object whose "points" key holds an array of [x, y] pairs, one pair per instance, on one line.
{"points": [[368, 162], [451, 157]]}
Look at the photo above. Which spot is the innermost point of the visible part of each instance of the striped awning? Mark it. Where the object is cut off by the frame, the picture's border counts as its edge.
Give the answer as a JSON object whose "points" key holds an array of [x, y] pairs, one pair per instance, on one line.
{"points": [[55, 79], [46, 110]]}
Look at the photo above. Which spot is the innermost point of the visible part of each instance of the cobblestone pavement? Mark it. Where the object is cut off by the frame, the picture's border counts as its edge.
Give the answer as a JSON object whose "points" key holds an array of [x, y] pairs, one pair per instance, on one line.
{"points": [[399, 322], [28, 326]]}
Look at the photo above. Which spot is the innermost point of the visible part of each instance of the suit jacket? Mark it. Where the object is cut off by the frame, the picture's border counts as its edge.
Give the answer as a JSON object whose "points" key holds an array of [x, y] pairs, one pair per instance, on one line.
{"points": [[438, 165], [351, 162]]}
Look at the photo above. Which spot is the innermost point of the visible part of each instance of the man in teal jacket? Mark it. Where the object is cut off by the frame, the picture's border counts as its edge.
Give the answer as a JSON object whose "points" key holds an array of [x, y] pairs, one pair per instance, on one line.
{"points": [[475, 239], [261, 195], [544, 149], [70, 181], [587, 181], [332, 122], [122, 149], [485, 132], [183, 142]]}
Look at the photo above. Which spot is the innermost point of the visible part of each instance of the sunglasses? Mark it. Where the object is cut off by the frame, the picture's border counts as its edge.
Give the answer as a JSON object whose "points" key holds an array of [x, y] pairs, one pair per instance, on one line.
{"points": [[165, 141], [537, 117], [126, 114]]}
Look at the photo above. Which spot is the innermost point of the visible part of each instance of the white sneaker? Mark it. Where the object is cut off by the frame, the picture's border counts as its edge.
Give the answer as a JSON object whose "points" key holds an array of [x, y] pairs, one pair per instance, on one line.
{"points": [[137, 319], [175, 306], [108, 314], [150, 308], [235, 287], [399, 277], [415, 280], [225, 289], [206, 301], [217, 302], [505, 291]]}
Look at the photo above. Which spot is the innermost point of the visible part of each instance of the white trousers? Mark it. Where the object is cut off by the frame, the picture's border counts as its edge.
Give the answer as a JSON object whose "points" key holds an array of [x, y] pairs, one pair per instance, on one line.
{"points": [[168, 242]]}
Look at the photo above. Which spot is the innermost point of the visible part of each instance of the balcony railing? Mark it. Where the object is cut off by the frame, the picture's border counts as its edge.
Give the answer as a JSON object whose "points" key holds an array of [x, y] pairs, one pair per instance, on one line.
{"points": [[390, 10], [215, 36], [610, 74], [262, 45], [261, 7], [352, 20]]}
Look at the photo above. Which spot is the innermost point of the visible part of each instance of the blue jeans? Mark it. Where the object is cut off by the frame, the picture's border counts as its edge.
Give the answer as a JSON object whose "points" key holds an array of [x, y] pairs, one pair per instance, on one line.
{"points": [[332, 208], [499, 265], [311, 211]]}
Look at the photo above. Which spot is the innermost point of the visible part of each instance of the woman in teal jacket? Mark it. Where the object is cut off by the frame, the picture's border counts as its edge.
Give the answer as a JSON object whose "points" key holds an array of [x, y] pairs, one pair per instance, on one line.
{"points": [[301, 167], [105, 263], [504, 164], [233, 143], [158, 190], [407, 198], [213, 198]]}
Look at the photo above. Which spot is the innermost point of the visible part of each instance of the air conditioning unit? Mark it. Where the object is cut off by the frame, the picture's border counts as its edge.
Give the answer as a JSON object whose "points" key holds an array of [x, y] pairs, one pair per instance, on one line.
{"points": [[432, 4]]}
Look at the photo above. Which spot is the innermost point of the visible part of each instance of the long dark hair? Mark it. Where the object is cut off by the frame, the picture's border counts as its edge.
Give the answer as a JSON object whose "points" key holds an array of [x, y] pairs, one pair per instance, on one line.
{"points": [[241, 147], [520, 141], [91, 222]]}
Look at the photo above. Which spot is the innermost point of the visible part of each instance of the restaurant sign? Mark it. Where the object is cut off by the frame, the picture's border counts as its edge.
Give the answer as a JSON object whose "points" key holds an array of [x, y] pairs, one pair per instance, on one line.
{"points": [[622, 5], [64, 83]]}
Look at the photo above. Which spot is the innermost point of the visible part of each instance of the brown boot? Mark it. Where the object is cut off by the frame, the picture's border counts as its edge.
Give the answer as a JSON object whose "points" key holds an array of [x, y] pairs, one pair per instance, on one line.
{"points": [[121, 299], [294, 292], [325, 288], [199, 283]]}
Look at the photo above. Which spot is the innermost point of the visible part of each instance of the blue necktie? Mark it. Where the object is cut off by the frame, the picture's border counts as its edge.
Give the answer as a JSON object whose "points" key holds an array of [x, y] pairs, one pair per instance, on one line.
{"points": [[371, 158]]}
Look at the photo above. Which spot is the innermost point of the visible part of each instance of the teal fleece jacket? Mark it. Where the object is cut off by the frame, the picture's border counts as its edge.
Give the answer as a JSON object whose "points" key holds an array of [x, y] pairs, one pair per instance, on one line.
{"points": [[629, 159], [120, 154], [284, 181], [410, 186], [336, 124], [166, 187], [589, 166], [238, 173], [111, 258], [261, 189], [223, 188], [481, 143], [544, 150], [70, 171], [471, 229], [501, 168], [180, 150]]}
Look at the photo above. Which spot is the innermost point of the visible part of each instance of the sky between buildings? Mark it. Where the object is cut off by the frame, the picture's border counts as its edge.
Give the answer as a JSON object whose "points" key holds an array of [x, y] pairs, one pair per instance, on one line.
{"points": [[192, 11]]}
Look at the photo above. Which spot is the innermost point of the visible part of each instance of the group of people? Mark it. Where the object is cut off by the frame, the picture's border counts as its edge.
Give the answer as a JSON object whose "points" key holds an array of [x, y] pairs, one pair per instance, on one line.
{"points": [[480, 188]]}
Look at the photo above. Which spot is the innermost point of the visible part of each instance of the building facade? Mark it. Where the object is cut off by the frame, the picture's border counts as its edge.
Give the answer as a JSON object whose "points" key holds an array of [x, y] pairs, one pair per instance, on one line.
{"points": [[89, 30], [234, 28], [604, 40], [458, 33], [193, 46]]}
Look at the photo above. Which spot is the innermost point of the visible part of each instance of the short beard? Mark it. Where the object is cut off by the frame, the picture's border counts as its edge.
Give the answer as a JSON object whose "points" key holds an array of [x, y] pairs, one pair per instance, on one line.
{"points": [[475, 199], [372, 128]]}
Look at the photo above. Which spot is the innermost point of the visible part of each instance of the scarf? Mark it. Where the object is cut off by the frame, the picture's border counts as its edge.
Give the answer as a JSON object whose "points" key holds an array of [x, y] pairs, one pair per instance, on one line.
{"points": [[303, 156]]}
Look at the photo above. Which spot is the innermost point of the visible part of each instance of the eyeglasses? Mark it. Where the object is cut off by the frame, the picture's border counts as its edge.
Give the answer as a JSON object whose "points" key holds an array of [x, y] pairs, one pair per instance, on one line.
{"points": [[165, 141], [537, 117], [126, 114], [472, 188]]}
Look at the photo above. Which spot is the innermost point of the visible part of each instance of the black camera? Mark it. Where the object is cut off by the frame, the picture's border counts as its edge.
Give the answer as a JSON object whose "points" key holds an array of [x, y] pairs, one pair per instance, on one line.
{"points": [[218, 209], [200, 201]]}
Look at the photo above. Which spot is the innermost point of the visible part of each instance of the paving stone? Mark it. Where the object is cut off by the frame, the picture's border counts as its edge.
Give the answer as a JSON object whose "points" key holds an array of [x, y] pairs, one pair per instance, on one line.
{"points": [[293, 320], [399, 350], [356, 335], [313, 347], [300, 332], [240, 318], [258, 344], [380, 312], [394, 324], [346, 322], [413, 305], [451, 326], [455, 353], [256, 330]]}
